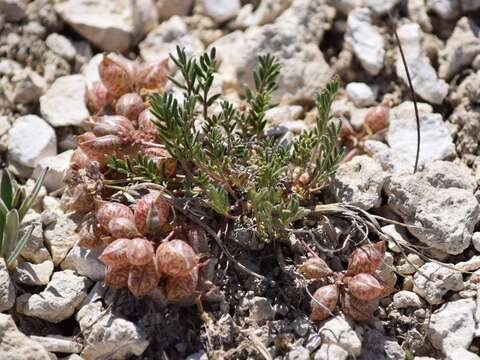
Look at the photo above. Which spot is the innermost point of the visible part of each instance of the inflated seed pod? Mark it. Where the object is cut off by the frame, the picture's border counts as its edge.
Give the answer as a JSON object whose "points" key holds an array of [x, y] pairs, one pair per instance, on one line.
{"points": [[98, 96], [315, 268], [140, 252], [152, 75], [356, 309], [365, 287], [377, 119], [175, 258], [151, 213], [178, 288], [166, 164], [122, 228], [79, 160], [107, 211], [115, 254], [143, 279], [117, 276], [324, 302], [130, 105], [97, 148], [114, 125], [146, 127], [366, 259], [115, 75]]}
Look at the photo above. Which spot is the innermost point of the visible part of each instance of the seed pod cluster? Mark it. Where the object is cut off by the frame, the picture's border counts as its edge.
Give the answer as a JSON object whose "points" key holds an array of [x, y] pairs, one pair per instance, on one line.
{"points": [[357, 289]]}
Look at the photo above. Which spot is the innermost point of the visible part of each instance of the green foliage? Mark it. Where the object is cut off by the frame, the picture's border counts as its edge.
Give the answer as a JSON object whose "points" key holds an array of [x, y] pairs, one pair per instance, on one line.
{"points": [[228, 159], [136, 169], [14, 204]]}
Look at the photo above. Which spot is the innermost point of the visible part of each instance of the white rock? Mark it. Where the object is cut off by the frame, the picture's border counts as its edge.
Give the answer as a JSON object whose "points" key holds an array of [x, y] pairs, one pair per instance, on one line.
{"points": [[279, 115], [417, 12], [345, 6], [366, 41], [110, 25], [17, 346], [406, 299], [60, 237], [433, 280], [381, 7], [26, 87], [35, 251], [33, 274], [90, 72], [410, 267], [436, 142], [107, 335], [339, 331], [169, 8], [164, 39], [58, 165], [7, 290], [31, 139], [304, 69], [471, 264], [61, 46], [439, 202], [267, 11], [453, 325], [461, 49], [460, 353], [58, 344], [59, 299], [13, 10], [389, 159], [446, 9], [85, 262], [386, 271], [330, 351], [424, 77], [4, 125], [298, 353], [359, 182], [361, 94], [220, 10], [64, 103]]}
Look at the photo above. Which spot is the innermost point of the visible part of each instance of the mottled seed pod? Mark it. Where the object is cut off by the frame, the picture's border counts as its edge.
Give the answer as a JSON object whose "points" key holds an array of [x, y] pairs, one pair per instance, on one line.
{"points": [[130, 105], [178, 288], [107, 211], [356, 309], [324, 302], [98, 96], [143, 279], [152, 76], [79, 160], [117, 277], [115, 254], [122, 228], [365, 287], [116, 125], [96, 148], [166, 164], [377, 119], [346, 129], [151, 213], [175, 258], [366, 259], [115, 75], [315, 268], [140, 252], [146, 127]]}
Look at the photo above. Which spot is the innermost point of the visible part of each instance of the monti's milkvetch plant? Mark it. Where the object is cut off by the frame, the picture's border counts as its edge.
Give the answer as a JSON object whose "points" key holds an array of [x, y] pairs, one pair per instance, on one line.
{"points": [[14, 204]]}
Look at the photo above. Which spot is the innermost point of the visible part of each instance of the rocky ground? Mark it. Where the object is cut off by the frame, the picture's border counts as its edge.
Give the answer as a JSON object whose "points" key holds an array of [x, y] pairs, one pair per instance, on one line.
{"points": [[54, 304]]}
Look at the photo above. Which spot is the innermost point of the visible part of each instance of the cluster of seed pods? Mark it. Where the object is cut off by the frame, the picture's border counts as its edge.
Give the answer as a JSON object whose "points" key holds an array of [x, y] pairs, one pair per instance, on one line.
{"points": [[135, 257], [122, 123], [356, 289]]}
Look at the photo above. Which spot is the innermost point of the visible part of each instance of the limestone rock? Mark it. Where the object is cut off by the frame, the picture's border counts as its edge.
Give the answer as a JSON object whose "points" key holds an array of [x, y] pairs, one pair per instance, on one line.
{"points": [[7, 290], [59, 299], [439, 202], [61, 46], [220, 10], [406, 299], [359, 182], [64, 103], [168, 8], [60, 237], [85, 262], [31, 139], [432, 281], [340, 331], [365, 40], [33, 274], [361, 94], [17, 346], [58, 165]]}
